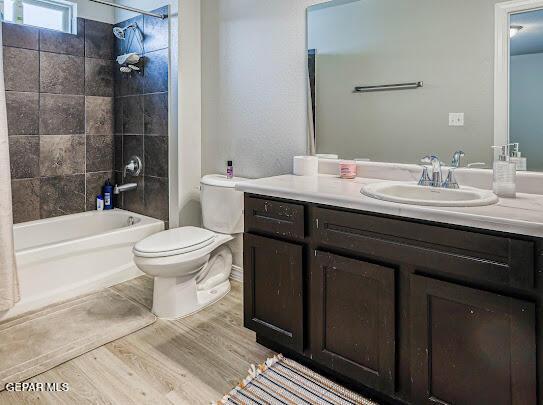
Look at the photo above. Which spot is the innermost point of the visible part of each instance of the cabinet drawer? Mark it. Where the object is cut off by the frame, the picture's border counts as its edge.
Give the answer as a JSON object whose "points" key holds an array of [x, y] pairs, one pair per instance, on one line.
{"points": [[274, 217], [465, 254]]}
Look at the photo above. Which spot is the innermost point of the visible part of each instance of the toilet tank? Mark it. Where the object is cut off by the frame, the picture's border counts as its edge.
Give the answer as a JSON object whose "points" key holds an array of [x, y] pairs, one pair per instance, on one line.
{"points": [[222, 205]]}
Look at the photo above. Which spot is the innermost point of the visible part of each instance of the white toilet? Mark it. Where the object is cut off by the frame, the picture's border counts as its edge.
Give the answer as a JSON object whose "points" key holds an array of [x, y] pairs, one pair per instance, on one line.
{"points": [[192, 266]]}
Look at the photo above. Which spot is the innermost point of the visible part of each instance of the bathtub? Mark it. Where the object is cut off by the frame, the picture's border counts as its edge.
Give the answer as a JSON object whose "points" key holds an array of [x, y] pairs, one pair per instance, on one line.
{"points": [[60, 258]]}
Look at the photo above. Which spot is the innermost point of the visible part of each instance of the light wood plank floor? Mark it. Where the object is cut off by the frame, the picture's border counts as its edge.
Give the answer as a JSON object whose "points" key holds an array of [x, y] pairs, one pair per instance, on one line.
{"points": [[195, 360]]}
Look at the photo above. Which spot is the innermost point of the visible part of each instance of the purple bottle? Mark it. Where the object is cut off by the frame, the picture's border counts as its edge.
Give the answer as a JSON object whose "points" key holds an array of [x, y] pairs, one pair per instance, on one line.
{"points": [[229, 170]]}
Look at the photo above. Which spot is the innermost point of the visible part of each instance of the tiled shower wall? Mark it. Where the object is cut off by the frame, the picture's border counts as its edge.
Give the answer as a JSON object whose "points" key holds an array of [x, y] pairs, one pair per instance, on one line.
{"points": [[66, 99], [59, 91], [141, 116]]}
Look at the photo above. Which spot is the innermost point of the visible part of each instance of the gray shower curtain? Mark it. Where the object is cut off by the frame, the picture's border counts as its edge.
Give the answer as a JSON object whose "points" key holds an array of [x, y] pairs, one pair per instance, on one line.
{"points": [[9, 285]]}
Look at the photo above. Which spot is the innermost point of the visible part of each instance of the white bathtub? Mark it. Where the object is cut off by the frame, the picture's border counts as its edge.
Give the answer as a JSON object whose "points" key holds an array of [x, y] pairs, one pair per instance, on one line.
{"points": [[63, 257]]}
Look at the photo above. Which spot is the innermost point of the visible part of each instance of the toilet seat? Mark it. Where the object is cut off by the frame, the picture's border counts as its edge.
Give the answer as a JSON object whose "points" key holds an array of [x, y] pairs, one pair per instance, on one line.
{"points": [[174, 242]]}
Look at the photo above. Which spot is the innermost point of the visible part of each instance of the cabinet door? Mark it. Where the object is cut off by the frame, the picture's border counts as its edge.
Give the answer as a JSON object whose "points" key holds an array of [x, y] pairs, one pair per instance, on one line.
{"points": [[470, 346], [353, 320], [273, 290]]}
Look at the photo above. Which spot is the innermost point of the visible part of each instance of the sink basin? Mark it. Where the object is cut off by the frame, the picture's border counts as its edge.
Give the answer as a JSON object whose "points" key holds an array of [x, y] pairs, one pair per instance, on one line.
{"points": [[412, 193]]}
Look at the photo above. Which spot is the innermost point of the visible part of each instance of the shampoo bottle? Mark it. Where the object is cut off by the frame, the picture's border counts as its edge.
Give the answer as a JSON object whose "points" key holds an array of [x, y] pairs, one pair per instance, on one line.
{"points": [[505, 173], [99, 203], [108, 195]]}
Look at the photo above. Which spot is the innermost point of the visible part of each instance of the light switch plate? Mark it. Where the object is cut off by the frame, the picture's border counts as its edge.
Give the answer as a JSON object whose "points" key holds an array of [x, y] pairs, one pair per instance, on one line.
{"points": [[456, 119]]}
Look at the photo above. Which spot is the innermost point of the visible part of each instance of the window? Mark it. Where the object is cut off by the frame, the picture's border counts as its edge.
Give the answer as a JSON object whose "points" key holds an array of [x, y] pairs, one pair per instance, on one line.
{"points": [[57, 15]]}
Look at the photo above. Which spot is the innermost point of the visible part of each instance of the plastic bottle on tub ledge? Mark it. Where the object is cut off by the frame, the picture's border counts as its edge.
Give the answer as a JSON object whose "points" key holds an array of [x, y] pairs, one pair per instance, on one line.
{"points": [[108, 195]]}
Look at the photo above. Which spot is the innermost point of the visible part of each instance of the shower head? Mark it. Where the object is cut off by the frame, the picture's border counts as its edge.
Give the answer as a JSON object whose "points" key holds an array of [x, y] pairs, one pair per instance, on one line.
{"points": [[121, 32]]}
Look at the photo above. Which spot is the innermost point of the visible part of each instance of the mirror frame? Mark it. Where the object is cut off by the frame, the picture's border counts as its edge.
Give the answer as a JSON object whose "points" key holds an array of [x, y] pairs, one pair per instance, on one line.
{"points": [[502, 58]]}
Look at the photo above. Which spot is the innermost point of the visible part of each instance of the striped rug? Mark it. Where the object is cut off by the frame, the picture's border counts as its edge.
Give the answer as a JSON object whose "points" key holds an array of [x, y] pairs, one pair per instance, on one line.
{"points": [[283, 381]]}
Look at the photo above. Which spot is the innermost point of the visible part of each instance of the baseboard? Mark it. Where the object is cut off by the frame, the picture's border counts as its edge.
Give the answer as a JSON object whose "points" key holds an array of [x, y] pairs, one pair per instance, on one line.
{"points": [[237, 274]]}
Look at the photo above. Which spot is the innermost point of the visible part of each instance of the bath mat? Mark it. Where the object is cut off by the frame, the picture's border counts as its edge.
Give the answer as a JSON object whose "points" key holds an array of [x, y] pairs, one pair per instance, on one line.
{"points": [[283, 381], [37, 342]]}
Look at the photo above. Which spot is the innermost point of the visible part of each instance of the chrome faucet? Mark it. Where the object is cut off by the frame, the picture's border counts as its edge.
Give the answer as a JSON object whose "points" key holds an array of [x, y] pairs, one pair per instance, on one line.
{"points": [[133, 168], [436, 179]]}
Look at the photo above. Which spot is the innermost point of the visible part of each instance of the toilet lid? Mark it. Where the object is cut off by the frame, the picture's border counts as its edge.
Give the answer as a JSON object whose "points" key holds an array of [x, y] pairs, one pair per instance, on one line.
{"points": [[183, 240]]}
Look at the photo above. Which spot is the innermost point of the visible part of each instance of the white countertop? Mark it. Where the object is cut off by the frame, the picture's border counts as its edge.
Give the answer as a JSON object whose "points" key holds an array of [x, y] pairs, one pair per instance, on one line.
{"points": [[522, 215]]}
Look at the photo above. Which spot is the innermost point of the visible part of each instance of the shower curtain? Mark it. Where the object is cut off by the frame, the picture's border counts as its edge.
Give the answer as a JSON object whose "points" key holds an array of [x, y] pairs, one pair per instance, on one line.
{"points": [[9, 285]]}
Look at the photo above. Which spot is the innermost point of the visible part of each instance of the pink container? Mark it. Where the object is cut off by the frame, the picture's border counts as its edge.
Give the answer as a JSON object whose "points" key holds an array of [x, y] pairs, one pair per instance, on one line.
{"points": [[347, 170]]}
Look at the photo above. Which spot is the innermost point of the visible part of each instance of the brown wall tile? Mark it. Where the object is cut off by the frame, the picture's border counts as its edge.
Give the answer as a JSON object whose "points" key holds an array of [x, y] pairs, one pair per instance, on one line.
{"points": [[26, 200], [99, 115], [62, 114], [156, 197], [61, 42], [62, 74], [99, 153], [62, 195], [21, 69], [99, 77], [20, 36], [24, 156], [23, 113], [62, 155]]}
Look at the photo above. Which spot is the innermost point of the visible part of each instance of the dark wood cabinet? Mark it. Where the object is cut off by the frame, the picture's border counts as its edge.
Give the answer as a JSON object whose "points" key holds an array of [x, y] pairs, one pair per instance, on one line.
{"points": [[352, 319], [470, 346], [273, 290], [405, 310]]}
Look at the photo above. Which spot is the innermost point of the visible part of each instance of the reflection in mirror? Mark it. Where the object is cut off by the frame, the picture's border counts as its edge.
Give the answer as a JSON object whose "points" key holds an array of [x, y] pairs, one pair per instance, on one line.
{"points": [[526, 87], [450, 49]]}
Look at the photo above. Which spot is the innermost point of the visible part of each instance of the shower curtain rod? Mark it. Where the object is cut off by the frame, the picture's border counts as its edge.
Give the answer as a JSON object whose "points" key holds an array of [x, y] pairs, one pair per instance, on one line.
{"points": [[135, 10]]}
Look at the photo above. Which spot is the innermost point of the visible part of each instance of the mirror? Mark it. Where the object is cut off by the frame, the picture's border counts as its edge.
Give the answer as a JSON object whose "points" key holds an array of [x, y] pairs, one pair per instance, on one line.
{"points": [[441, 54], [526, 86]]}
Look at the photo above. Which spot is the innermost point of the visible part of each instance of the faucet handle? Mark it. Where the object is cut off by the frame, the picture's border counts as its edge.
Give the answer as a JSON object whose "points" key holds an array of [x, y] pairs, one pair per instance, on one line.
{"points": [[450, 181], [426, 159], [425, 179]]}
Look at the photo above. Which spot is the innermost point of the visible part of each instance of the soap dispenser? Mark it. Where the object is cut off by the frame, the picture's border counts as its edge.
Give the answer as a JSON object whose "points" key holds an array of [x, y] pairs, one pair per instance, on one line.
{"points": [[505, 173], [517, 159]]}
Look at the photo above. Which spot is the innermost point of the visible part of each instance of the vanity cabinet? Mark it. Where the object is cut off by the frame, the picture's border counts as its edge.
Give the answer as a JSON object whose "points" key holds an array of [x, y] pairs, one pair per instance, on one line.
{"points": [[273, 290], [353, 319], [470, 346], [405, 310]]}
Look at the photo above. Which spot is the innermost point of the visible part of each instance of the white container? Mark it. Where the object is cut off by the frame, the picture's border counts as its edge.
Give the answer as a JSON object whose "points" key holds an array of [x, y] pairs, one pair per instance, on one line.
{"points": [[305, 166], [60, 258]]}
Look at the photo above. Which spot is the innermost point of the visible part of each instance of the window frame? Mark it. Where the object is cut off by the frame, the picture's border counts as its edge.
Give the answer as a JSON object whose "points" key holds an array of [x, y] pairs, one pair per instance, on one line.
{"points": [[67, 8]]}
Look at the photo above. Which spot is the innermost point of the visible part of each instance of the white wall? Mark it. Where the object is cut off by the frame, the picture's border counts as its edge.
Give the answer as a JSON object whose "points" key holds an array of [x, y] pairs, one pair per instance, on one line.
{"points": [[147, 5], [254, 85], [94, 11]]}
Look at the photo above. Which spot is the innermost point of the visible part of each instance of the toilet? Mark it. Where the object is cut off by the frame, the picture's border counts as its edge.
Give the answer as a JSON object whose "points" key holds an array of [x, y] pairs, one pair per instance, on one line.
{"points": [[191, 266]]}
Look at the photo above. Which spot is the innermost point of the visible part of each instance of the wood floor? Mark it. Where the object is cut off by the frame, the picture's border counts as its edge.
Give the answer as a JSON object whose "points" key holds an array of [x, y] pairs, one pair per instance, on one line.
{"points": [[195, 360]]}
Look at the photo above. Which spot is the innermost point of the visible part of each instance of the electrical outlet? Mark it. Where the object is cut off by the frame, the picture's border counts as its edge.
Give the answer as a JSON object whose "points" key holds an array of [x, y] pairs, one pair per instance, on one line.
{"points": [[456, 119]]}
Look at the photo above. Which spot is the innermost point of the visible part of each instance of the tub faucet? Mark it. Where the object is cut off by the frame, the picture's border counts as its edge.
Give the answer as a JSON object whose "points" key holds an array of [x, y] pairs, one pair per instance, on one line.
{"points": [[123, 188]]}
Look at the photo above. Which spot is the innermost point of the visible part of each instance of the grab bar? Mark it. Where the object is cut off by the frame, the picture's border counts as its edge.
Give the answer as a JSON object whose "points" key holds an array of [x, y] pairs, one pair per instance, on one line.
{"points": [[387, 87]]}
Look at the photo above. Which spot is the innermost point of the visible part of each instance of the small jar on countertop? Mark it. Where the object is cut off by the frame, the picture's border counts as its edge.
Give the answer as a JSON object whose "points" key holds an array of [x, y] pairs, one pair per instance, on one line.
{"points": [[347, 169]]}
